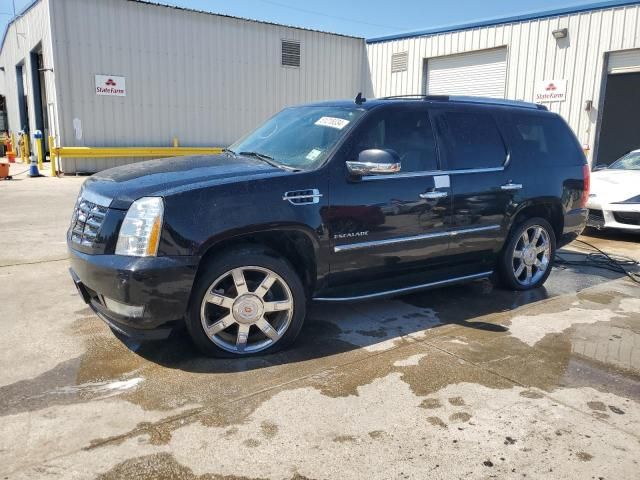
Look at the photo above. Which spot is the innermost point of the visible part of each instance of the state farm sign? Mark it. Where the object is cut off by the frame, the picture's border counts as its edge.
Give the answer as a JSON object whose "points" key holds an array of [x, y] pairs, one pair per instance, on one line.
{"points": [[111, 85], [550, 91]]}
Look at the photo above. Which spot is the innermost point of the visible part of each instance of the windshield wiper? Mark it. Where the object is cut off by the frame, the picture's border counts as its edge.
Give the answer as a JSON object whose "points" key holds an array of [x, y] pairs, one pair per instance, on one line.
{"points": [[228, 150], [267, 159]]}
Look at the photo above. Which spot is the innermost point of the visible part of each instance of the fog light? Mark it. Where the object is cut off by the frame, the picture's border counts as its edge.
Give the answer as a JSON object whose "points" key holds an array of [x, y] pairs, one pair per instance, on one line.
{"points": [[123, 309]]}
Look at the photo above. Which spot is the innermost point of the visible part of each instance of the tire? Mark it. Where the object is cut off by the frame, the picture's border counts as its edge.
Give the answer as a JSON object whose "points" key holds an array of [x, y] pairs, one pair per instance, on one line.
{"points": [[257, 312], [538, 260]]}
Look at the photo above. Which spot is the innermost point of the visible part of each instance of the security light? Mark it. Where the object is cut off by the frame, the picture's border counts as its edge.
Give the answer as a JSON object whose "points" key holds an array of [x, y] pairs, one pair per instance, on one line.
{"points": [[560, 33]]}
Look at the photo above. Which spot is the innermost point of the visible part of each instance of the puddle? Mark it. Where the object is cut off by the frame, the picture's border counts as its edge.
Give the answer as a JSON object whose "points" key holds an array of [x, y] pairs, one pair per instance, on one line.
{"points": [[427, 344]]}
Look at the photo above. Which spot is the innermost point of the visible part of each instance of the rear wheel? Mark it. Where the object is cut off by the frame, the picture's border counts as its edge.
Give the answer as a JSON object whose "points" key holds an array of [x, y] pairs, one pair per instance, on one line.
{"points": [[246, 302], [526, 260]]}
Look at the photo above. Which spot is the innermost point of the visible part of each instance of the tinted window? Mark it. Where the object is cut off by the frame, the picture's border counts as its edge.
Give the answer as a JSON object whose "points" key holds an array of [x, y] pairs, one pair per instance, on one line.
{"points": [[407, 132], [472, 140], [544, 139]]}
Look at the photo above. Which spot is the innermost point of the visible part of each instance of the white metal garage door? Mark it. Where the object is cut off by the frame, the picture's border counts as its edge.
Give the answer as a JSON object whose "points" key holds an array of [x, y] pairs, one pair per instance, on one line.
{"points": [[482, 73], [627, 61]]}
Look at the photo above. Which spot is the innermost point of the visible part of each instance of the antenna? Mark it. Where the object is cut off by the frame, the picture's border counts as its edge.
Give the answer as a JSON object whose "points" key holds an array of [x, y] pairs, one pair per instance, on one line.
{"points": [[360, 99]]}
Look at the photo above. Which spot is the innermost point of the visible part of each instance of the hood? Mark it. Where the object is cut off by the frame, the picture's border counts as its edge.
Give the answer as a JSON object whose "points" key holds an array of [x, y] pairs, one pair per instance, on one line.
{"points": [[614, 185], [121, 186]]}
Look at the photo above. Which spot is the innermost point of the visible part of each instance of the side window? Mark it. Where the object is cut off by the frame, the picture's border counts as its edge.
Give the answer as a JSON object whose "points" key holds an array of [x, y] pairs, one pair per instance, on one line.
{"points": [[407, 132], [543, 139], [472, 140]]}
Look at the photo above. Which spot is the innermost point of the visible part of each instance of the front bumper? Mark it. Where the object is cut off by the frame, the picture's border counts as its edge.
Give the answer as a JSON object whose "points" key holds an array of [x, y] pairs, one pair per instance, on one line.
{"points": [[161, 284], [623, 216]]}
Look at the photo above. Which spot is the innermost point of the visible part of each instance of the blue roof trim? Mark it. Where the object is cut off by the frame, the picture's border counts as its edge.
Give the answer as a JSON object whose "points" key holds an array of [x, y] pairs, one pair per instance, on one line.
{"points": [[18, 15], [516, 18]]}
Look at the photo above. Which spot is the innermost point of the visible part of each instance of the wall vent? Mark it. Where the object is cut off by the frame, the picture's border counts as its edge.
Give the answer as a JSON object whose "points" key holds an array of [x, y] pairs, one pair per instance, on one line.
{"points": [[290, 53], [399, 62]]}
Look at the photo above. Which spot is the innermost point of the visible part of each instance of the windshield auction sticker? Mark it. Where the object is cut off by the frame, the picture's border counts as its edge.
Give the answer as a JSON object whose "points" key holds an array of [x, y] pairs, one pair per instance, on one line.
{"points": [[333, 122], [313, 154]]}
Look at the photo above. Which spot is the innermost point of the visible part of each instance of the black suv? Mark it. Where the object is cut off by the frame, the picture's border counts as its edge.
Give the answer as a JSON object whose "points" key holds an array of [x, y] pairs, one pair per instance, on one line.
{"points": [[334, 202]]}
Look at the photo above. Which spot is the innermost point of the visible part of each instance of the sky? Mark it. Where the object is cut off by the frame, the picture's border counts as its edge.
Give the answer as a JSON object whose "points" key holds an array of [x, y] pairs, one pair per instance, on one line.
{"points": [[363, 18]]}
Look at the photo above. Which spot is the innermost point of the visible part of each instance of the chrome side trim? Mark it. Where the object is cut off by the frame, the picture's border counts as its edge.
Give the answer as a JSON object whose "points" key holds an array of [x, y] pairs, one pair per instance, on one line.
{"points": [[400, 291], [433, 173], [426, 236], [462, 231]]}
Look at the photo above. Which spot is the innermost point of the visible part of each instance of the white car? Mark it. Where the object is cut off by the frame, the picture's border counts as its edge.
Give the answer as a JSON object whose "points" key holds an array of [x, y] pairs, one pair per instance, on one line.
{"points": [[614, 201]]}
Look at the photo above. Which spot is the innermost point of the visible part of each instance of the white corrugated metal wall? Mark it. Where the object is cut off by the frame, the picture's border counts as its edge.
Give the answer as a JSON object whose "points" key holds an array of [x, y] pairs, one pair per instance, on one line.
{"points": [[204, 78], [533, 55], [23, 36]]}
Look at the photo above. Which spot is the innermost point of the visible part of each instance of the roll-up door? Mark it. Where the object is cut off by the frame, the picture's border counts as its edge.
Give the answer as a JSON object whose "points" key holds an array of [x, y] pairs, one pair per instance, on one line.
{"points": [[627, 61], [481, 73]]}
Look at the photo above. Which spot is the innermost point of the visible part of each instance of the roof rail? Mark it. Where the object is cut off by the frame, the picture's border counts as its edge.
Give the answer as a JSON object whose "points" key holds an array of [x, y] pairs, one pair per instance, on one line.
{"points": [[467, 99], [497, 101], [417, 96]]}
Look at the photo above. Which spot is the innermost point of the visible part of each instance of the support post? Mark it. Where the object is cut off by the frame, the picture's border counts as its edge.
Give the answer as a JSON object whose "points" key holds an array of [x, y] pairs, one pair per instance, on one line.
{"points": [[38, 137], [25, 148], [52, 154]]}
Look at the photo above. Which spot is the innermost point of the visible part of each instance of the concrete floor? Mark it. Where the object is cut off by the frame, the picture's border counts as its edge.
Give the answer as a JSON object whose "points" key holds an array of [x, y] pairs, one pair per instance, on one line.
{"points": [[461, 382]]}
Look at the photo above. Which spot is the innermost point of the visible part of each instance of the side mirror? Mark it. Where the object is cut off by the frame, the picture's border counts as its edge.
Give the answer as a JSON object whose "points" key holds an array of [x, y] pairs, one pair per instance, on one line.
{"points": [[600, 166], [375, 162]]}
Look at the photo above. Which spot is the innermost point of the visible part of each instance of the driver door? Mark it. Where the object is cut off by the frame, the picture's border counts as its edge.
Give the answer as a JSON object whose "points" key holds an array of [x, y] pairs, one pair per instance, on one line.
{"points": [[390, 230]]}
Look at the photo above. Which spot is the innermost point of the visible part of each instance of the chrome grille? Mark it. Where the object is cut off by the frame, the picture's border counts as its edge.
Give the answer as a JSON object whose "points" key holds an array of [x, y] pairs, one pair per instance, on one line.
{"points": [[86, 222]]}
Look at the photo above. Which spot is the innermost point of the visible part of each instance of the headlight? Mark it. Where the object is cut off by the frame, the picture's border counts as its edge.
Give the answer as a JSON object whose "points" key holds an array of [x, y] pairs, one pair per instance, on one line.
{"points": [[635, 199], [140, 230]]}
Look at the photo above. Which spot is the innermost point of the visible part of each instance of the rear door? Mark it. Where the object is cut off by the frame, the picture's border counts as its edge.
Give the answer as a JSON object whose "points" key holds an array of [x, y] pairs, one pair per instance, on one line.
{"points": [[475, 154]]}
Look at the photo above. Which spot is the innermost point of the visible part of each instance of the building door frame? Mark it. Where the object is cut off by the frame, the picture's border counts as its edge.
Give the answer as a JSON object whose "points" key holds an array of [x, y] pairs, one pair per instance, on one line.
{"points": [[609, 69]]}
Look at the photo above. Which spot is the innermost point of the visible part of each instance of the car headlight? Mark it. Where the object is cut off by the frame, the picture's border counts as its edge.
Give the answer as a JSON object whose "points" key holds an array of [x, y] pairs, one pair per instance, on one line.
{"points": [[635, 199], [140, 231]]}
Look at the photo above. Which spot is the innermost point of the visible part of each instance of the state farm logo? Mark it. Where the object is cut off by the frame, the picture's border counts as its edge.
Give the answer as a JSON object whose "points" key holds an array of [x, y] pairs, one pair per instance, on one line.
{"points": [[111, 85], [550, 91]]}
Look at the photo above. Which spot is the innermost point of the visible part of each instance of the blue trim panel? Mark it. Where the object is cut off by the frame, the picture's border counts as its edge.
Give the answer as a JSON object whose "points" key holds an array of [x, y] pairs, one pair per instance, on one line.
{"points": [[513, 19]]}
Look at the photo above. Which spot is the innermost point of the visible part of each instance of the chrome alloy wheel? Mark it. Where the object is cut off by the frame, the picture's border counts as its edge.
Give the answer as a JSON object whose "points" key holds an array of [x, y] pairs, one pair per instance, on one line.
{"points": [[531, 255], [246, 310]]}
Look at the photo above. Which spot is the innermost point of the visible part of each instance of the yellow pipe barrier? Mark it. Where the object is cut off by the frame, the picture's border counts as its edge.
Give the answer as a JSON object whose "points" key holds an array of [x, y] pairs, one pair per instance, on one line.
{"points": [[14, 147], [24, 149], [40, 152], [137, 152], [52, 155]]}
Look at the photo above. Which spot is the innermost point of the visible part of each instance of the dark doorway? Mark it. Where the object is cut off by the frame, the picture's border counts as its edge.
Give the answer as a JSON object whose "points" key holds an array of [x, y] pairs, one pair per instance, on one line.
{"points": [[39, 94], [23, 108], [620, 130], [4, 121]]}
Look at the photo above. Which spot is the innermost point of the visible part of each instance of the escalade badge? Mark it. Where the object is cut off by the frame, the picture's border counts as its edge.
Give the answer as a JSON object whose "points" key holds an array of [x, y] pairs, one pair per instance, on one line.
{"points": [[350, 235]]}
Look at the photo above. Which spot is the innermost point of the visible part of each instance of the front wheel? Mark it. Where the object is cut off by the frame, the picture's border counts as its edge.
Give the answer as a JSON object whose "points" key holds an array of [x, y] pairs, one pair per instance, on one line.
{"points": [[246, 302], [526, 260]]}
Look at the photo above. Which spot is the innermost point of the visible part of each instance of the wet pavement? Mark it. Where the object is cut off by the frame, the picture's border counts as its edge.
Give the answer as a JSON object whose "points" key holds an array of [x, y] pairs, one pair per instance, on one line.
{"points": [[462, 382]]}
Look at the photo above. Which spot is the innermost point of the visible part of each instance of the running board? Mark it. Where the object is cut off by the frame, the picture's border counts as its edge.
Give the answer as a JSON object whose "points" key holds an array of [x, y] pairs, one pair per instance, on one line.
{"points": [[405, 290]]}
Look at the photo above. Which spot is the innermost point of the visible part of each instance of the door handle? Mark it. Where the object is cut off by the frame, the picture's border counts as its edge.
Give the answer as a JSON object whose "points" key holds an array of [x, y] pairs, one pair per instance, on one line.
{"points": [[511, 186], [433, 195]]}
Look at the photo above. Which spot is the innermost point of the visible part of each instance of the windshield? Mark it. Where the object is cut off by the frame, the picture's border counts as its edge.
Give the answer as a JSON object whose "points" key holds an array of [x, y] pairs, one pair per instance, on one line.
{"points": [[631, 161], [299, 137]]}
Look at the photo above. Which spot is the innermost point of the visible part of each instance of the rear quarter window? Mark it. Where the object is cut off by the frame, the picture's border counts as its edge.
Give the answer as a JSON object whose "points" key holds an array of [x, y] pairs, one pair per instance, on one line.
{"points": [[544, 140]]}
